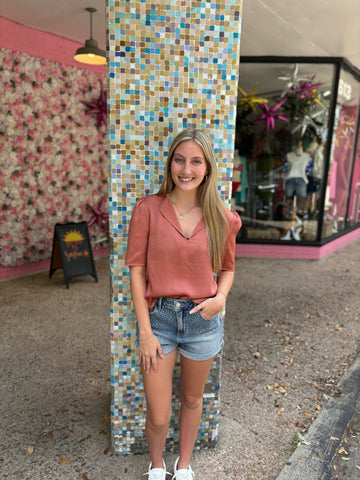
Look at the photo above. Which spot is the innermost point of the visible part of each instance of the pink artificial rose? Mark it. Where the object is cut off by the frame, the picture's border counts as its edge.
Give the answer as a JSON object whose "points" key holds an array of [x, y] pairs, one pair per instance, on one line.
{"points": [[7, 63]]}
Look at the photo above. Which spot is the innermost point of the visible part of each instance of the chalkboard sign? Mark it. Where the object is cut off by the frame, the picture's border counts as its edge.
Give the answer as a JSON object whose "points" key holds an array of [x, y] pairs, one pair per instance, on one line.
{"points": [[72, 251]]}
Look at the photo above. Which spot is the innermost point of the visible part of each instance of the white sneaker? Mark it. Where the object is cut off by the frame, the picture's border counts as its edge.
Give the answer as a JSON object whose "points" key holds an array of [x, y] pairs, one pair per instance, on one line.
{"points": [[157, 473], [287, 236], [183, 473]]}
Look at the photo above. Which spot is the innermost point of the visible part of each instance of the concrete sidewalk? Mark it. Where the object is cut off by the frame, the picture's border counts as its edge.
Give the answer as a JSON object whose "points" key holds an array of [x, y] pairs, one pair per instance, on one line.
{"points": [[291, 337], [326, 452], [346, 464]]}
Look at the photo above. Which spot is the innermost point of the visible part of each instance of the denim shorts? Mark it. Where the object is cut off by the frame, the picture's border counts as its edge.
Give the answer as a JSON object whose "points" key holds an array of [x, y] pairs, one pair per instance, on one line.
{"points": [[195, 337], [295, 186]]}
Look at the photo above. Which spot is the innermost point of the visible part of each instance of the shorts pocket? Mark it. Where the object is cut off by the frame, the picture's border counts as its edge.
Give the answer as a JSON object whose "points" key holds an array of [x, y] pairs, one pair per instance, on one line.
{"points": [[208, 319], [155, 308]]}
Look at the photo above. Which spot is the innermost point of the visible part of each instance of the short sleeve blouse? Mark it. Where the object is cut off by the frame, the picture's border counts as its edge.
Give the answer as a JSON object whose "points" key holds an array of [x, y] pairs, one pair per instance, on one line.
{"points": [[176, 266]]}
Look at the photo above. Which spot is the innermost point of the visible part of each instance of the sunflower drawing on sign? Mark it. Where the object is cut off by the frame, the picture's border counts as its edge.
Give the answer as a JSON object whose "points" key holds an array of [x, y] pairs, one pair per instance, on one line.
{"points": [[73, 239]]}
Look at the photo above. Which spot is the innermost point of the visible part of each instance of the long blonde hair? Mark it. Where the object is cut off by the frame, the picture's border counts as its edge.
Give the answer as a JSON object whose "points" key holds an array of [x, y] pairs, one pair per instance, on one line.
{"points": [[214, 212]]}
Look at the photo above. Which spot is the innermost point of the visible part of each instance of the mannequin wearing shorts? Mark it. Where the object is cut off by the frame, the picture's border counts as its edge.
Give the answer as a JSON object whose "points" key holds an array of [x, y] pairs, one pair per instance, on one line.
{"points": [[297, 166]]}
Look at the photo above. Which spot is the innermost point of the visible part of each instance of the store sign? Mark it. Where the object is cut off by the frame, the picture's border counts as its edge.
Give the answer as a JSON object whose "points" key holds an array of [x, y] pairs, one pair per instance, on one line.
{"points": [[72, 251], [345, 90]]}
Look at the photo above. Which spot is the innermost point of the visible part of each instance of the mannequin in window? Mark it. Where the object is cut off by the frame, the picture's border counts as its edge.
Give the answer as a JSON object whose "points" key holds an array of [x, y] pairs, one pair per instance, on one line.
{"points": [[312, 146], [297, 165]]}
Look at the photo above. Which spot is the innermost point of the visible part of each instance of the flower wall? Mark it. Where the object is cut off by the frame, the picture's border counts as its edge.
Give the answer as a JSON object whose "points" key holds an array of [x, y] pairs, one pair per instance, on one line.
{"points": [[53, 158]]}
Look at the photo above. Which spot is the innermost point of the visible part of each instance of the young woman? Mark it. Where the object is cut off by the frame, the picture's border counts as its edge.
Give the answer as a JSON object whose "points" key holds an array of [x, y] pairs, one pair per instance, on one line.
{"points": [[177, 240]]}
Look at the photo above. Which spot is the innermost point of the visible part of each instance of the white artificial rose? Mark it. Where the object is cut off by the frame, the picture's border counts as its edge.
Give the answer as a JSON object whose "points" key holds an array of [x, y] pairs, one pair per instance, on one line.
{"points": [[11, 133], [27, 111], [6, 75], [57, 121], [27, 88]]}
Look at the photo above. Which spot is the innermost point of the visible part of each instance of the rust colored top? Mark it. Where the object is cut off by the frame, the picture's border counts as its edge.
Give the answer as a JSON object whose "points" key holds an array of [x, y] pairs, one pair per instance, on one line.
{"points": [[176, 266]]}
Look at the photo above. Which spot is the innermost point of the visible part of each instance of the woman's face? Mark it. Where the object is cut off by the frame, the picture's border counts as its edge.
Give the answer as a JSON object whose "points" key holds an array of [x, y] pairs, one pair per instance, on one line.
{"points": [[188, 166]]}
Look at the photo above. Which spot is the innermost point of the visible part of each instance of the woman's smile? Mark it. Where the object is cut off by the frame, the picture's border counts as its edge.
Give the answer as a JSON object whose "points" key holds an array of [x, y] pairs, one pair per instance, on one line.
{"points": [[183, 179]]}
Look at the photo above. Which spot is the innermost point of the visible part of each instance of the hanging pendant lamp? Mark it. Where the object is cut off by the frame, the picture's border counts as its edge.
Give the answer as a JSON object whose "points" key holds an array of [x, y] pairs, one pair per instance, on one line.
{"points": [[90, 53]]}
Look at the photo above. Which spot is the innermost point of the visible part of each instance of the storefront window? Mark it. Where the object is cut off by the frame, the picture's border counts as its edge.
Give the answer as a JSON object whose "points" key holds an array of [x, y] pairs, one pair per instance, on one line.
{"points": [[281, 134], [341, 158]]}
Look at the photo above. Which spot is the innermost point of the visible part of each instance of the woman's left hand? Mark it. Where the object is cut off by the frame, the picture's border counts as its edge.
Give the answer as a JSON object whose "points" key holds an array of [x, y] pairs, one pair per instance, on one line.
{"points": [[210, 307]]}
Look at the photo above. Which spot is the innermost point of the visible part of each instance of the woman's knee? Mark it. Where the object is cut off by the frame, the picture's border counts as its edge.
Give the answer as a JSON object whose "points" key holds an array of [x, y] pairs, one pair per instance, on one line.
{"points": [[157, 421], [191, 401]]}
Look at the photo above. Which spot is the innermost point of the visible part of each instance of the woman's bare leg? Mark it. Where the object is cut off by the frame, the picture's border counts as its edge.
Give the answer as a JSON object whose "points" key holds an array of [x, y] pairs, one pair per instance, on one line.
{"points": [[158, 392], [193, 378]]}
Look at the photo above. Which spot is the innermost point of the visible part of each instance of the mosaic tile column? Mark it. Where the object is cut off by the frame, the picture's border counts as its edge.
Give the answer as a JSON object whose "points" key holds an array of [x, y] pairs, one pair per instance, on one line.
{"points": [[172, 64]]}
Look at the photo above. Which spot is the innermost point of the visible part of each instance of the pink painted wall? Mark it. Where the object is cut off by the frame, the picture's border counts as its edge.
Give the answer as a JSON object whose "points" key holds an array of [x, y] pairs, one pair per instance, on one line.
{"points": [[42, 45]]}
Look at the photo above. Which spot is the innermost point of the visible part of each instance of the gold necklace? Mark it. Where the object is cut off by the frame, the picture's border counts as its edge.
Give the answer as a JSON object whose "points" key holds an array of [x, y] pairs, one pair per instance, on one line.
{"points": [[181, 215]]}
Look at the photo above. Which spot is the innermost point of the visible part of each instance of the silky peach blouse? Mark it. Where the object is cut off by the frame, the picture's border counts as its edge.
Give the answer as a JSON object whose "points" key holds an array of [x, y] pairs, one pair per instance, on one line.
{"points": [[176, 266]]}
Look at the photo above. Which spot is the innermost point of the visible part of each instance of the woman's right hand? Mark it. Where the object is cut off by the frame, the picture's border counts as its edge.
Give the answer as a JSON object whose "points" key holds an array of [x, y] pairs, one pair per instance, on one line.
{"points": [[149, 348]]}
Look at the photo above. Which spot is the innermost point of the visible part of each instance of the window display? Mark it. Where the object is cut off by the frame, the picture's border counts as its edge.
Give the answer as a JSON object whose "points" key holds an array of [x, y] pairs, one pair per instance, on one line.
{"points": [[286, 129], [342, 151], [354, 203]]}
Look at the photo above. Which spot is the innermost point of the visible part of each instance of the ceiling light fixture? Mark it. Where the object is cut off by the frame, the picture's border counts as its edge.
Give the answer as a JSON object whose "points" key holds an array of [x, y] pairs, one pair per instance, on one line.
{"points": [[90, 53]]}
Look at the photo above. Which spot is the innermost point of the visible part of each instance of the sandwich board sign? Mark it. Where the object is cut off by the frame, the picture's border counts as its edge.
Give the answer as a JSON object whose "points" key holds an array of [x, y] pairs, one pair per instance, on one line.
{"points": [[72, 251]]}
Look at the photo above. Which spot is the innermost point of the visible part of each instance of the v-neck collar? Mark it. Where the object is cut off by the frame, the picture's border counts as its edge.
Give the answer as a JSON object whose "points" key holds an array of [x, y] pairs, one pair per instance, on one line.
{"points": [[167, 210]]}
